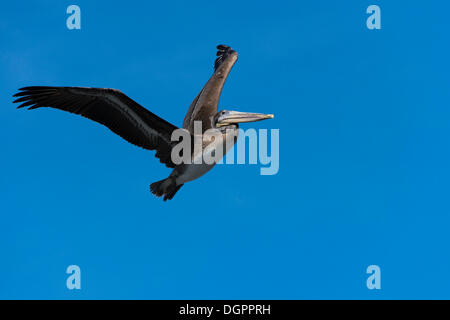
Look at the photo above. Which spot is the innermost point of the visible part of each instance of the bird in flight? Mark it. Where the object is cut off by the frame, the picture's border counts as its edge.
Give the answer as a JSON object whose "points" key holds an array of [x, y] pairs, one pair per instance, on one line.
{"points": [[137, 125]]}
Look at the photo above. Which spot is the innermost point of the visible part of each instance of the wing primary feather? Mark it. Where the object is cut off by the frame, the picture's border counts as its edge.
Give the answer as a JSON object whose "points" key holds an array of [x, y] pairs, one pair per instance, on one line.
{"points": [[110, 108]]}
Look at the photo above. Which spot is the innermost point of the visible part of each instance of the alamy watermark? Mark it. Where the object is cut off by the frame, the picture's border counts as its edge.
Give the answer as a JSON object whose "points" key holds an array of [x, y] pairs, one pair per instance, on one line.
{"points": [[374, 280], [213, 145], [74, 280], [374, 20], [74, 20]]}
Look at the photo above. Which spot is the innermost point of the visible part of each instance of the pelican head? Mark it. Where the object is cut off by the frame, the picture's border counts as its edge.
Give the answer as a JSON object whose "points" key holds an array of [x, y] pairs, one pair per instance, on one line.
{"points": [[226, 117]]}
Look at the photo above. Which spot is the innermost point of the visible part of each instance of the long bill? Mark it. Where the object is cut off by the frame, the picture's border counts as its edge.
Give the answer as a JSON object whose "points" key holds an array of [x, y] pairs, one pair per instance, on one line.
{"points": [[240, 117]]}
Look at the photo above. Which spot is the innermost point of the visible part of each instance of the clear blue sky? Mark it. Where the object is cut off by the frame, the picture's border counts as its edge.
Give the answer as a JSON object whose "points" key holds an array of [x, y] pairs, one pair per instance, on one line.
{"points": [[364, 119]]}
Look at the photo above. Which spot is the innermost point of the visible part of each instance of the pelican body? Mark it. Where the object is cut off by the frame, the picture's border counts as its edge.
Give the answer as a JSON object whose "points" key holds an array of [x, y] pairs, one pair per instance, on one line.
{"points": [[141, 127]]}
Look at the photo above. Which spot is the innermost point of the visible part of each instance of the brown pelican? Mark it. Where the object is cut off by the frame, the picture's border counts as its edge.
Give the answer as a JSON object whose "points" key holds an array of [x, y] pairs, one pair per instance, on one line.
{"points": [[140, 127]]}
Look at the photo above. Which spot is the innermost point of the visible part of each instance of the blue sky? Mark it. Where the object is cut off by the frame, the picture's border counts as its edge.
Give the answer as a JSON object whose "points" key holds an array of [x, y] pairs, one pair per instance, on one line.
{"points": [[364, 120]]}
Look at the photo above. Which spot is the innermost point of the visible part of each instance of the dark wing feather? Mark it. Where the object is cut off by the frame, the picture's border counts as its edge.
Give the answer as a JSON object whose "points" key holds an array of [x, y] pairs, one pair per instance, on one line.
{"points": [[109, 107], [205, 105]]}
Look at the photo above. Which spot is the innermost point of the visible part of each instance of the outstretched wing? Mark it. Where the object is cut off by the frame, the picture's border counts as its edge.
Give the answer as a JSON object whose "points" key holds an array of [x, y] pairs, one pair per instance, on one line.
{"points": [[204, 107], [109, 107]]}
